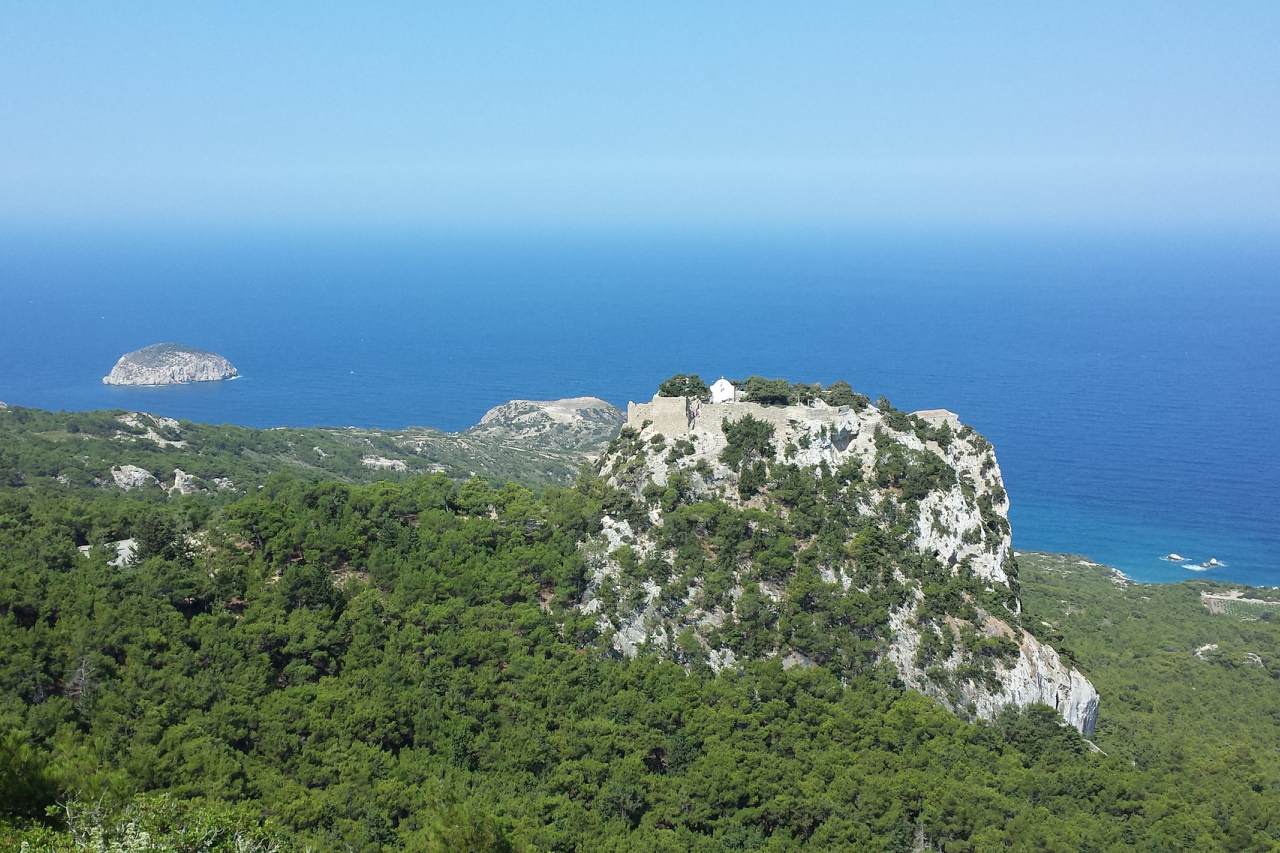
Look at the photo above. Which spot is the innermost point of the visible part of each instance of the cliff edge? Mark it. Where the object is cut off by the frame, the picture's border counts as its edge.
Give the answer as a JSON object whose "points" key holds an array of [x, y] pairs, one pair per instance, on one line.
{"points": [[847, 536]]}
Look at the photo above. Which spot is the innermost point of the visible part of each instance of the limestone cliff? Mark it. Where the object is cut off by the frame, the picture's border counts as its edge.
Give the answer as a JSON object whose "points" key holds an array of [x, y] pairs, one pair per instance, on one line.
{"points": [[844, 536], [169, 364]]}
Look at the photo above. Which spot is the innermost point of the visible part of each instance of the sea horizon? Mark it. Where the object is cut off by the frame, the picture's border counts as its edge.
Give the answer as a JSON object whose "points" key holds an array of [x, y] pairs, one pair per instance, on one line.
{"points": [[1126, 382]]}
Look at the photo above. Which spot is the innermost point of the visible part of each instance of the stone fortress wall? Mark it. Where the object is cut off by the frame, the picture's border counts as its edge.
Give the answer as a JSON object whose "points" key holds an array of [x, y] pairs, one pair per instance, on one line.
{"points": [[674, 417], [671, 416]]}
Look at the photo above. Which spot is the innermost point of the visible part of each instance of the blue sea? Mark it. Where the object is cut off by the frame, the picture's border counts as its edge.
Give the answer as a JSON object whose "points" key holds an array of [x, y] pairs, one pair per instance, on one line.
{"points": [[1130, 383]]}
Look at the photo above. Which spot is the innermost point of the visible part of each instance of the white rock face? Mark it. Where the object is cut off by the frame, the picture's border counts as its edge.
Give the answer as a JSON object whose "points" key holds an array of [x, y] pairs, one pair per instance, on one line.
{"points": [[129, 477], [1036, 676], [962, 520], [169, 364], [1040, 676], [184, 483], [149, 425], [124, 550], [385, 464]]}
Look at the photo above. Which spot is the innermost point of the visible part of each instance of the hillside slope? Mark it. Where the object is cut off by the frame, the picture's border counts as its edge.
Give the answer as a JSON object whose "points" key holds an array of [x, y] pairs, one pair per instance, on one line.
{"points": [[534, 442], [1172, 669], [407, 665]]}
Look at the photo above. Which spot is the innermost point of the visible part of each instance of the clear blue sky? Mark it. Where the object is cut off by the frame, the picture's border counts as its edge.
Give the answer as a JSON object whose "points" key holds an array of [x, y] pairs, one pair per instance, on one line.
{"points": [[670, 113]]}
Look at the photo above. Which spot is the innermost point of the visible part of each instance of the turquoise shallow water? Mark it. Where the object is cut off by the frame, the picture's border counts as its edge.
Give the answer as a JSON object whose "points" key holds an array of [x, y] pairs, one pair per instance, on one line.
{"points": [[1130, 385]]}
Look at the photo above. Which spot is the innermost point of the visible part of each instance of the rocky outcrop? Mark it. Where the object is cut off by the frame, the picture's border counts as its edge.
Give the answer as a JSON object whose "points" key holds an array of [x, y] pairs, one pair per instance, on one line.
{"points": [[169, 364], [529, 441], [160, 431], [574, 423], [130, 477], [1036, 675], [923, 480], [1039, 676], [124, 550], [385, 464], [184, 483], [963, 518]]}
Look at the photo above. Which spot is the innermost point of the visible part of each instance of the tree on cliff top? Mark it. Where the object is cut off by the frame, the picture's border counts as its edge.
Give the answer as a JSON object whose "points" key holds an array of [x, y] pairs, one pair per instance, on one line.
{"points": [[685, 385]]}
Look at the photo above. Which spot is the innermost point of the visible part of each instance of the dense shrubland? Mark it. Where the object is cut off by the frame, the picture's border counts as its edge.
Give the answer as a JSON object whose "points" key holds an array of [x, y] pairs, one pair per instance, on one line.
{"points": [[399, 664]]}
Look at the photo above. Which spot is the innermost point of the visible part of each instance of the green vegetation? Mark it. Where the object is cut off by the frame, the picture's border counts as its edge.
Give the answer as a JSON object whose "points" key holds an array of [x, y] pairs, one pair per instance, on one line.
{"points": [[781, 392], [393, 665], [1200, 726], [915, 473], [896, 419], [80, 449], [749, 439], [685, 385], [769, 392], [750, 446], [777, 392], [840, 393], [402, 665]]}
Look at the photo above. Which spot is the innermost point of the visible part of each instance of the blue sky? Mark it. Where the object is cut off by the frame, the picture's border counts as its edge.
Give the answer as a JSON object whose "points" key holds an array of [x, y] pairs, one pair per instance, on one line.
{"points": [[722, 114]]}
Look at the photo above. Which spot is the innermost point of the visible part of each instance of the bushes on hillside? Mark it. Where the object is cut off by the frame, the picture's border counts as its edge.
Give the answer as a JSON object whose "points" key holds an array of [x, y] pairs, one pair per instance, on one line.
{"points": [[749, 439]]}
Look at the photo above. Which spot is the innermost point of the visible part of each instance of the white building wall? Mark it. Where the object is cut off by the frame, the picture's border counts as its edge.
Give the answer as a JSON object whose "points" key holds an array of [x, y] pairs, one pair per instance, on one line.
{"points": [[722, 391]]}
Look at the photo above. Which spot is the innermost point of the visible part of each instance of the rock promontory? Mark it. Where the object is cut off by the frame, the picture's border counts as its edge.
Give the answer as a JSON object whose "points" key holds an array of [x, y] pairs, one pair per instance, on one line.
{"points": [[818, 529], [169, 364], [575, 423]]}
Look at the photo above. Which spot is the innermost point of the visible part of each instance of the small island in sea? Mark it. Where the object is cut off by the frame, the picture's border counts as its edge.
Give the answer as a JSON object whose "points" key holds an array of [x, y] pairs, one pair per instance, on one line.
{"points": [[169, 364]]}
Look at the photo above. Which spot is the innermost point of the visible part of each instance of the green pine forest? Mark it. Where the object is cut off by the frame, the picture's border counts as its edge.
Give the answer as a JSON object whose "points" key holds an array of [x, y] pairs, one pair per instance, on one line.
{"points": [[328, 665]]}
